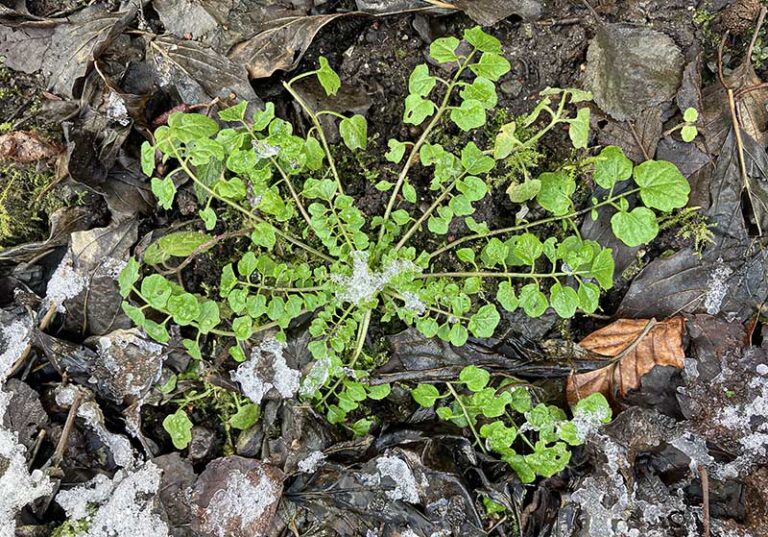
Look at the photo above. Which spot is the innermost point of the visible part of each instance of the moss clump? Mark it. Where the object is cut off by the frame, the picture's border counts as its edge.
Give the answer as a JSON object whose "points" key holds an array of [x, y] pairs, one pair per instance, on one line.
{"points": [[25, 201]]}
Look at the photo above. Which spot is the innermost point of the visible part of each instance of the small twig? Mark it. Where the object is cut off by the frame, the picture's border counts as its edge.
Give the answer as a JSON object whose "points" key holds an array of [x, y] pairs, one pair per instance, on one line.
{"points": [[760, 21], [205, 246], [705, 497], [58, 455], [638, 140], [36, 448], [44, 322]]}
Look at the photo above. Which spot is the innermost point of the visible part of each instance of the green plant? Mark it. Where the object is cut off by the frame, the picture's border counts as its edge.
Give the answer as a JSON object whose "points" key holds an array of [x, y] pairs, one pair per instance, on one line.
{"points": [[504, 416], [303, 247], [687, 128]]}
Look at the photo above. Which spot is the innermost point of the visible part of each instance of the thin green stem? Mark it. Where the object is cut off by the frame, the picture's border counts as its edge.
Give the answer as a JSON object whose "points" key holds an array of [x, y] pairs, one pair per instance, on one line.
{"points": [[287, 236], [523, 227], [283, 289], [497, 275], [293, 192], [422, 139], [415, 227], [466, 416], [320, 131]]}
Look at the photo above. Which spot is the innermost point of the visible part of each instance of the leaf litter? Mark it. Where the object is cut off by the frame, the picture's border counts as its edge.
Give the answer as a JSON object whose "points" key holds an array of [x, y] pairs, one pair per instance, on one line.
{"points": [[118, 70]]}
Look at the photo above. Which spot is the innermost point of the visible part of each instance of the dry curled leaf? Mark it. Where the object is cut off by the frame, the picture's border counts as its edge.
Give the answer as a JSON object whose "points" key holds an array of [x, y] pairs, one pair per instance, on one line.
{"points": [[633, 347]]}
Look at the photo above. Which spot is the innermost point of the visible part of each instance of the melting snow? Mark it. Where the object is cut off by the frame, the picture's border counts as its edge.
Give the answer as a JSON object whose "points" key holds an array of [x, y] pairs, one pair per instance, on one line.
{"points": [[267, 369], [397, 470], [362, 285], [310, 464], [14, 337], [240, 499], [65, 283], [316, 378], [718, 287], [116, 110], [125, 504]]}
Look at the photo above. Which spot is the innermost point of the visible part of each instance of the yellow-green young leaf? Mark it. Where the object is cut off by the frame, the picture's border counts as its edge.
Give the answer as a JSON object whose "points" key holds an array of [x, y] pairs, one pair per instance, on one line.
{"points": [[611, 167], [179, 428], [147, 158], [262, 118], [188, 127], [636, 227], [458, 335], [602, 268], [427, 326], [662, 186], [328, 77], [425, 395], [579, 129], [178, 244], [528, 248], [209, 218], [156, 290], [421, 82], [589, 297], [506, 141], [532, 300], [184, 308], [470, 115], [505, 295], [482, 90], [379, 392], [443, 50], [128, 277], [688, 133], [209, 317], [354, 132], [691, 115], [264, 235], [556, 191], [417, 109], [525, 191], [491, 66], [483, 42], [475, 161], [484, 322], [234, 113], [396, 151], [242, 327], [164, 190], [564, 300], [245, 417], [475, 378]]}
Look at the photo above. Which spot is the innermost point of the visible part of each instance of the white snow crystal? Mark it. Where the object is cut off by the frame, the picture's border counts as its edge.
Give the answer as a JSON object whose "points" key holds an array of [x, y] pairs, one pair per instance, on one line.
{"points": [[318, 375], [695, 448], [762, 369], [125, 504], [116, 110], [14, 338], [65, 283], [267, 369], [309, 464], [240, 499], [397, 470], [718, 287], [414, 303], [588, 422], [18, 487], [362, 285], [264, 149]]}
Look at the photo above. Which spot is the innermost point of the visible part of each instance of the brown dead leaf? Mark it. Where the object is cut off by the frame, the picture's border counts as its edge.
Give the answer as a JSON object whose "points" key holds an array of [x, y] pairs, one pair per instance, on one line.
{"points": [[634, 348], [25, 147]]}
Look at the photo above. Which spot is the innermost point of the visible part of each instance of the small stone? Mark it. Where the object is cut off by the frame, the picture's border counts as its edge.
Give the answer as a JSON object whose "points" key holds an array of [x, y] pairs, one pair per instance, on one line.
{"points": [[202, 444], [511, 87]]}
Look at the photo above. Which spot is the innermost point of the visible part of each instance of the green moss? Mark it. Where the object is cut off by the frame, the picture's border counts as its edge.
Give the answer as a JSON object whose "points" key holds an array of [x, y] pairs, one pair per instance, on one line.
{"points": [[25, 202], [70, 528]]}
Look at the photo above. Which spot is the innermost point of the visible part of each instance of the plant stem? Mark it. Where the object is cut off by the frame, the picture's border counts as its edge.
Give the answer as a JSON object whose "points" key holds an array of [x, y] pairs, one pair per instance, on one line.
{"points": [[287, 236], [320, 131], [422, 139], [444, 194], [466, 415], [522, 227], [496, 275], [294, 195]]}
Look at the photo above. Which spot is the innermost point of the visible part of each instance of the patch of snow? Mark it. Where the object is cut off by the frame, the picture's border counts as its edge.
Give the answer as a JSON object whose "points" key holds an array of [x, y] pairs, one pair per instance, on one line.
{"points": [[690, 369], [125, 504], [310, 464], [363, 284], [241, 499], [318, 375], [65, 283], [266, 369], [762, 369], [14, 337], [116, 110], [718, 287], [18, 487], [397, 470], [265, 150], [587, 423], [414, 303]]}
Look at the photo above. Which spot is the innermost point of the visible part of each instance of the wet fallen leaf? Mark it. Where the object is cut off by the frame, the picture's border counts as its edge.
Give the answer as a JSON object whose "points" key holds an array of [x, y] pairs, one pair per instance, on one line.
{"points": [[636, 346], [281, 44], [638, 138], [25, 147]]}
